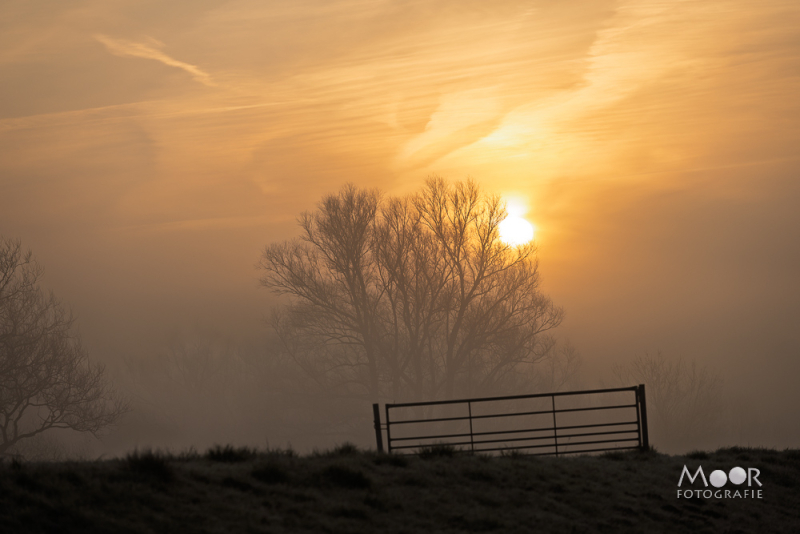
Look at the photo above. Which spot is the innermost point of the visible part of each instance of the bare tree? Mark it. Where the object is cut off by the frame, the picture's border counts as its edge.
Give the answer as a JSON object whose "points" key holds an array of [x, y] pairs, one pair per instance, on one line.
{"points": [[332, 277], [410, 297], [685, 400], [46, 380], [494, 313]]}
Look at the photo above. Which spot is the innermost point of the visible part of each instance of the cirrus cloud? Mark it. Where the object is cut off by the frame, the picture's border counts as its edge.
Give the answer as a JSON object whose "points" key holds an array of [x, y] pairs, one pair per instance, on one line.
{"points": [[123, 48]]}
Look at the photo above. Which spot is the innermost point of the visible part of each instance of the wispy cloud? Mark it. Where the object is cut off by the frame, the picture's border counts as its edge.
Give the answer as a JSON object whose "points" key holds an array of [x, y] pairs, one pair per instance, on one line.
{"points": [[121, 47]]}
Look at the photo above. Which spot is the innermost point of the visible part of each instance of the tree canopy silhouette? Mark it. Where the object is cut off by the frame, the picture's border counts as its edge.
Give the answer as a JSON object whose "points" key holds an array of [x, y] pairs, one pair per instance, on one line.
{"points": [[46, 380], [413, 297]]}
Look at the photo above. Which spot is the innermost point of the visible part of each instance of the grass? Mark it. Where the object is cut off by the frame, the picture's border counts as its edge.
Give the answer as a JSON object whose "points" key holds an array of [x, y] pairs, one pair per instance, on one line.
{"points": [[155, 466], [231, 489], [230, 454], [437, 450]]}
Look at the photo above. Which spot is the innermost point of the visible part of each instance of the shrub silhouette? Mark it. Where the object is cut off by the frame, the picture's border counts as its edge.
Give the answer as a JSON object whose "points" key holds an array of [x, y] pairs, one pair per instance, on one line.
{"points": [[150, 464], [229, 454], [438, 450], [346, 449]]}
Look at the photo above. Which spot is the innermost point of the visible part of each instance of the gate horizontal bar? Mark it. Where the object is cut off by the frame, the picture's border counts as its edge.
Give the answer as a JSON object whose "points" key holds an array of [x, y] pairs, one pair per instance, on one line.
{"points": [[605, 449], [550, 429], [509, 440], [491, 416], [597, 441], [513, 397], [560, 445], [561, 436], [598, 424]]}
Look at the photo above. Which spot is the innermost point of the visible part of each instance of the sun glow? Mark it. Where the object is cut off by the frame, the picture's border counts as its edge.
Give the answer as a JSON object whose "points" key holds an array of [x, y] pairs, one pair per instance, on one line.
{"points": [[515, 230]]}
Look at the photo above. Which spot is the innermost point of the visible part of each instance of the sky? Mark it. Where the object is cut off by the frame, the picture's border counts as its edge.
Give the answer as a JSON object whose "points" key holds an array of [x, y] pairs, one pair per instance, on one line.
{"points": [[150, 150]]}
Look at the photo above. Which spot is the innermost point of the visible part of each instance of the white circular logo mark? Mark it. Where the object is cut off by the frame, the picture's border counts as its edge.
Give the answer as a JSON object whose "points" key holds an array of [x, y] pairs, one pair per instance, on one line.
{"points": [[718, 478], [737, 476]]}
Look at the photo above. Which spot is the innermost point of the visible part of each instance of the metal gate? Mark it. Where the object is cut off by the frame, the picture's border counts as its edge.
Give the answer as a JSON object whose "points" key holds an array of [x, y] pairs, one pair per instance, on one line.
{"points": [[569, 422]]}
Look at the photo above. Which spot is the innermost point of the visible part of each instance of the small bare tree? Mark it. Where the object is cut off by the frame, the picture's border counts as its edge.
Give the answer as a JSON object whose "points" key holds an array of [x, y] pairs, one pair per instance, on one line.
{"points": [[410, 297], [685, 400], [46, 380]]}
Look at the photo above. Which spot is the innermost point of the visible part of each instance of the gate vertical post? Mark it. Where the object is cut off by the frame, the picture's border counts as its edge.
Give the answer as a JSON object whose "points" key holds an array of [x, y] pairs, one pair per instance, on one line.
{"points": [[638, 417], [555, 426], [471, 441], [388, 430], [643, 404], [376, 416]]}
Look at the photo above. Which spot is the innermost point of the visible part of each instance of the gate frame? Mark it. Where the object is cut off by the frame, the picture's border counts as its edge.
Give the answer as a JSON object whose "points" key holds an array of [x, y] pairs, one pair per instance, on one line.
{"points": [[640, 403]]}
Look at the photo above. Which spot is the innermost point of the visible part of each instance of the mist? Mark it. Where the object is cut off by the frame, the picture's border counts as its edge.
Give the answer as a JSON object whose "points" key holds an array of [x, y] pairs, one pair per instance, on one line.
{"points": [[149, 155]]}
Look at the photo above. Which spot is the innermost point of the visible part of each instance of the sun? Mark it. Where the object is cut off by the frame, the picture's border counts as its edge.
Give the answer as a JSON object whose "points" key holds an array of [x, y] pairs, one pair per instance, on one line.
{"points": [[515, 230]]}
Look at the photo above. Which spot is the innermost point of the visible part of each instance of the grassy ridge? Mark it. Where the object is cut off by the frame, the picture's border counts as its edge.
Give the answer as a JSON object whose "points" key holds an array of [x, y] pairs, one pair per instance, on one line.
{"points": [[345, 490]]}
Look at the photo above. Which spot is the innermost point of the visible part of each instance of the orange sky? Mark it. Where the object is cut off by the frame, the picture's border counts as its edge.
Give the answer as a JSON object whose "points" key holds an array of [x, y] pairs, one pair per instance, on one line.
{"points": [[148, 150]]}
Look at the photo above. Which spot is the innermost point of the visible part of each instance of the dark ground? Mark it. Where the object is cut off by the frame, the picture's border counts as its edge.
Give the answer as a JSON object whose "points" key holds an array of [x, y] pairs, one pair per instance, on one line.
{"points": [[345, 490]]}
